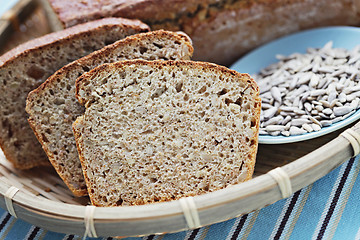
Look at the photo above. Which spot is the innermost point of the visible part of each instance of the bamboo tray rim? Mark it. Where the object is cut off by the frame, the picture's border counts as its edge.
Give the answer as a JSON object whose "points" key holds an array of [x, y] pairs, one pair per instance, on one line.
{"points": [[328, 157]]}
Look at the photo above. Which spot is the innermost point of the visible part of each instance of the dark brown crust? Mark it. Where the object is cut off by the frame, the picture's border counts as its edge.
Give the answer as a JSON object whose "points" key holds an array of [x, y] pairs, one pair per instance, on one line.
{"points": [[221, 33], [250, 164], [66, 35], [74, 12], [38, 45]]}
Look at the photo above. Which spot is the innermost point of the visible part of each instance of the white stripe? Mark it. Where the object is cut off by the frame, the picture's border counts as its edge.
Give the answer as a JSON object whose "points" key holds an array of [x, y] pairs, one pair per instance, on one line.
{"points": [[246, 224], [280, 218], [289, 222], [188, 234], [344, 196], [66, 236], [8, 222], [328, 203], [232, 230], [39, 234], [357, 237], [295, 213], [249, 223], [30, 232], [200, 232], [3, 216]]}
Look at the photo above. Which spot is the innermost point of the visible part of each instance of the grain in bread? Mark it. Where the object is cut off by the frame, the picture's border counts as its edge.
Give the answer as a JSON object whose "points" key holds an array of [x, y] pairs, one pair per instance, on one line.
{"points": [[52, 107], [222, 30], [27, 66], [161, 130]]}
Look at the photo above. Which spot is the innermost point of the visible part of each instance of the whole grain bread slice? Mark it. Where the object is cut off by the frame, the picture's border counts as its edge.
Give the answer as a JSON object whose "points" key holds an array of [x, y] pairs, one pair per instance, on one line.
{"points": [[161, 130], [27, 66], [53, 107]]}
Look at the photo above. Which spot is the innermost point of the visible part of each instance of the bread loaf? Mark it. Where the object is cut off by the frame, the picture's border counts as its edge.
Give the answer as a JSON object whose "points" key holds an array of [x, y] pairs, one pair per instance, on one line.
{"points": [[27, 66], [221, 30], [52, 107], [161, 130]]}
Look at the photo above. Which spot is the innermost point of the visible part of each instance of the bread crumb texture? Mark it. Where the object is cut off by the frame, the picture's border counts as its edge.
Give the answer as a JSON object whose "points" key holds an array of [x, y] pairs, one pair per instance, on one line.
{"points": [[162, 130], [53, 106]]}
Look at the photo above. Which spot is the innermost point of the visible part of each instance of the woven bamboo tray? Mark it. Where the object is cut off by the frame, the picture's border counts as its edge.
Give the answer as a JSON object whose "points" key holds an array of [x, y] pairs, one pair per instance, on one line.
{"points": [[45, 201]]}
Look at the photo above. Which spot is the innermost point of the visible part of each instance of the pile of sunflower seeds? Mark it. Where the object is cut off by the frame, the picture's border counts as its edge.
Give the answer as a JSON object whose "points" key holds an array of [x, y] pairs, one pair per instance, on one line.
{"points": [[305, 92]]}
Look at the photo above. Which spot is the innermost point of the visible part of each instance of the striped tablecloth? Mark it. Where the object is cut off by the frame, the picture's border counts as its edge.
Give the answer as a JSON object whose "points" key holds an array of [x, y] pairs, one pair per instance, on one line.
{"points": [[326, 209]]}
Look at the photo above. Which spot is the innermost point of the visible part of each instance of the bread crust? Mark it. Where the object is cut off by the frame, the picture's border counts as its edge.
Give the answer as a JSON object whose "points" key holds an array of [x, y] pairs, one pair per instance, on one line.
{"points": [[26, 67], [68, 34], [221, 31], [87, 84]]}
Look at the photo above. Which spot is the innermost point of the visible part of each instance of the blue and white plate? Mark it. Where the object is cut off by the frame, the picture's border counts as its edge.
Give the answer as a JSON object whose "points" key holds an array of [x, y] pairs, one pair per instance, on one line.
{"points": [[342, 37]]}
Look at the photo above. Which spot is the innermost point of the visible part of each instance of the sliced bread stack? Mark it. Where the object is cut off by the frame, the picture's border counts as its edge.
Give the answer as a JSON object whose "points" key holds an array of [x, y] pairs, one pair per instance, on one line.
{"points": [[29, 65], [53, 108], [162, 130]]}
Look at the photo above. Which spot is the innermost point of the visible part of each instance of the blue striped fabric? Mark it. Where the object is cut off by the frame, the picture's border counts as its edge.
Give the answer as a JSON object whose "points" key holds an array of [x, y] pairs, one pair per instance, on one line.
{"points": [[326, 209]]}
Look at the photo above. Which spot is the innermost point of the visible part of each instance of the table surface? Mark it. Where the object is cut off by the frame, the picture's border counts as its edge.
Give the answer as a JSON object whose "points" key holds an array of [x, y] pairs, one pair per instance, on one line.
{"points": [[326, 209]]}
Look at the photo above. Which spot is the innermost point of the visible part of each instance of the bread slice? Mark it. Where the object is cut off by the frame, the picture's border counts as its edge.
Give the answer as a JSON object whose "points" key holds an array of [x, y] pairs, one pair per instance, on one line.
{"points": [[161, 130], [27, 66], [53, 107]]}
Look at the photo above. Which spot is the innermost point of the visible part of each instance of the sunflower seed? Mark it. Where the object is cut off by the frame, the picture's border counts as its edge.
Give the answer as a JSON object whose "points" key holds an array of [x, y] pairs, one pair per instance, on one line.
{"points": [[307, 127], [308, 106], [286, 120], [285, 133], [337, 119], [325, 103], [274, 121], [276, 133], [339, 111], [299, 122], [325, 123], [316, 127], [270, 112], [342, 97], [296, 131], [274, 128], [315, 121], [304, 92], [275, 92], [327, 111]]}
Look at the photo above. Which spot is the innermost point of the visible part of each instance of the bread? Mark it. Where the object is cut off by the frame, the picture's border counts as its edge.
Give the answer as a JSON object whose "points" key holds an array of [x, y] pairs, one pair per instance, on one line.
{"points": [[161, 130], [53, 108], [221, 30], [27, 66]]}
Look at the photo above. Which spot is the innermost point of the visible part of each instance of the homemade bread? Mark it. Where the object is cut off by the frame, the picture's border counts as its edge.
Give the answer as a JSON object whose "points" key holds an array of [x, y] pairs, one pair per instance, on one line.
{"points": [[221, 30], [161, 130], [27, 66], [53, 107]]}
